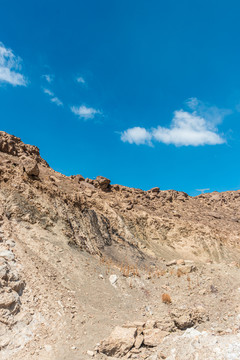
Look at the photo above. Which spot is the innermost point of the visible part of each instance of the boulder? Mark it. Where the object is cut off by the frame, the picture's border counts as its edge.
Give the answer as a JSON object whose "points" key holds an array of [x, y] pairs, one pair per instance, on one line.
{"points": [[119, 342], [31, 167], [153, 337], [103, 182], [155, 190]]}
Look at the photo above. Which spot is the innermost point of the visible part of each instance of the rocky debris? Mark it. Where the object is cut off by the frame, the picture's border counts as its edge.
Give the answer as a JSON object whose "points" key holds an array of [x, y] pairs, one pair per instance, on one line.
{"points": [[150, 334], [11, 286], [31, 167], [77, 178], [193, 344], [13, 145], [7, 255], [186, 318], [103, 183], [134, 337]]}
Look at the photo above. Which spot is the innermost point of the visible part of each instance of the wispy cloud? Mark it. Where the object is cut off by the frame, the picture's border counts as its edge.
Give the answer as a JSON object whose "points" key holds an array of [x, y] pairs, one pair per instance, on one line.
{"points": [[48, 92], [48, 77], [10, 68], [84, 112], [54, 99], [80, 80], [195, 127], [202, 191]]}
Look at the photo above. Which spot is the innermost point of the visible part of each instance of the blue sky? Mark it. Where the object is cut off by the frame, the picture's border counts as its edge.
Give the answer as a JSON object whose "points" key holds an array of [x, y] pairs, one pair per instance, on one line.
{"points": [[144, 92]]}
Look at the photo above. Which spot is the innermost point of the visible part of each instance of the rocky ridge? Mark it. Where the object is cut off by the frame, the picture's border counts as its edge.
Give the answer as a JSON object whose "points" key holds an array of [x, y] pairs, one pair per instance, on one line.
{"points": [[87, 256]]}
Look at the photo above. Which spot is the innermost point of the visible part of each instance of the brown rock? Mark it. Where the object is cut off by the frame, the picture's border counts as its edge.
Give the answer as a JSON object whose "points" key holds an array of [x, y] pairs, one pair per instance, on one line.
{"points": [[166, 299], [103, 182], [155, 190], [119, 342], [31, 167]]}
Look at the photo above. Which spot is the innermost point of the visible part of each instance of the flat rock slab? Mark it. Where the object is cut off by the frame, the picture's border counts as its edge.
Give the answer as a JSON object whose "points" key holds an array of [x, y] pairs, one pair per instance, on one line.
{"points": [[154, 337]]}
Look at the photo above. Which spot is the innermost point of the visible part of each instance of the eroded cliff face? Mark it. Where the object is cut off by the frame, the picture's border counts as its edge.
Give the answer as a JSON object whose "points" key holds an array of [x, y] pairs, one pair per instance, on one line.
{"points": [[61, 237]]}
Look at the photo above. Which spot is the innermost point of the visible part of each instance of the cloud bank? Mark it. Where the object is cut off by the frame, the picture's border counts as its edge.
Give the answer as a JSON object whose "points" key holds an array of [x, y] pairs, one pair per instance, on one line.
{"points": [[195, 127], [10, 68]]}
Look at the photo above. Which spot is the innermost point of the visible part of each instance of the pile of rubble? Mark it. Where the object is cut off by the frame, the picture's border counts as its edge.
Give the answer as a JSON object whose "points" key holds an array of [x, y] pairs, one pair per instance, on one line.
{"points": [[11, 288], [138, 339]]}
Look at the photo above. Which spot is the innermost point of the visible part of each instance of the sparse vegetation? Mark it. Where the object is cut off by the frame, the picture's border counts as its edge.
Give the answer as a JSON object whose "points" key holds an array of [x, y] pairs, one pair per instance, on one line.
{"points": [[166, 299]]}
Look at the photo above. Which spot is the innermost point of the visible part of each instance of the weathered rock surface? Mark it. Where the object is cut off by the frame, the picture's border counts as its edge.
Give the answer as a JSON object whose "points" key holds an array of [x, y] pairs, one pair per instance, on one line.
{"points": [[153, 337], [119, 342], [31, 167], [103, 182]]}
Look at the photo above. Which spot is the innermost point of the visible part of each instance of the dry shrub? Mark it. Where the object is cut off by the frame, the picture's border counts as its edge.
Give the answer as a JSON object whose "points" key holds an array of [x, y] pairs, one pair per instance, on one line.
{"points": [[166, 299], [179, 273]]}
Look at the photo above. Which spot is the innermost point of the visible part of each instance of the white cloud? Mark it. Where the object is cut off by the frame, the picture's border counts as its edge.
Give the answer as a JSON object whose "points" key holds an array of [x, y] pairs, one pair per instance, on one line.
{"points": [[48, 92], [56, 101], [53, 98], [188, 128], [136, 135], [48, 77], [202, 191], [85, 112], [10, 68], [80, 80]]}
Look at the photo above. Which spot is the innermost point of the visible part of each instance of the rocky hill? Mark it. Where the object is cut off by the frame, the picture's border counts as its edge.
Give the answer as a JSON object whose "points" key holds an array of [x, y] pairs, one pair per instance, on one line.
{"points": [[80, 256]]}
